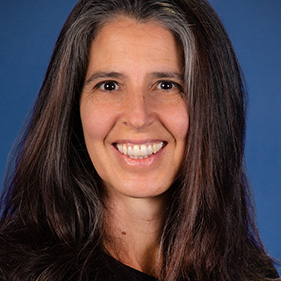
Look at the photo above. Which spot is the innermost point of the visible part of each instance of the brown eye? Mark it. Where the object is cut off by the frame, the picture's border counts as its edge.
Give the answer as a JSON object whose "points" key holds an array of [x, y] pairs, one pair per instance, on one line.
{"points": [[108, 86], [166, 85]]}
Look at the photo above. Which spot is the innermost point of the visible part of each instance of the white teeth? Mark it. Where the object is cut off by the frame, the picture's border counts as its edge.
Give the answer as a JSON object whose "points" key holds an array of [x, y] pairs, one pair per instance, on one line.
{"points": [[119, 147], [125, 149], [136, 151], [129, 151], [139, 151], [149, 150], [143, 149]]}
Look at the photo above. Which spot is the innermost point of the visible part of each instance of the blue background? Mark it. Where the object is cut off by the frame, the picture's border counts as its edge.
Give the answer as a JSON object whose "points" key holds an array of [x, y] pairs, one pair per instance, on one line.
{"points": [[28, 31]]}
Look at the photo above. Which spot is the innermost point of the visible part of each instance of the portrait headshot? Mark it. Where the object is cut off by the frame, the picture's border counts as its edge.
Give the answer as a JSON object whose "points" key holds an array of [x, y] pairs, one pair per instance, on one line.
{"points": [[141, 140]]}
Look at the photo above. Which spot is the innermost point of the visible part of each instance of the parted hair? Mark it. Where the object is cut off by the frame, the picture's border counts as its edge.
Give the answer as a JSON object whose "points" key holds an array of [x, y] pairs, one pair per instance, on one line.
{"points": [[52, 209]]}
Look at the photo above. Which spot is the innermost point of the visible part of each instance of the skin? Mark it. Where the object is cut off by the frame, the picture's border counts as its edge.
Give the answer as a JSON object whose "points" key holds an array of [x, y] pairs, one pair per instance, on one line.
{"points": [[133, 95]]}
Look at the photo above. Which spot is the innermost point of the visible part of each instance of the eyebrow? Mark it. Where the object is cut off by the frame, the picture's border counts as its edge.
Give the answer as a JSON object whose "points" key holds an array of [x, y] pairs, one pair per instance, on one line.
{"points": [[169, 74], [99, 75], [117, 75]]}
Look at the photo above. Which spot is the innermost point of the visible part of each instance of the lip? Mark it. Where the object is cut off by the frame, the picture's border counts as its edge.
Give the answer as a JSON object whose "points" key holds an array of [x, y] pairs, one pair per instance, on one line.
{"points": [[145, 162]]}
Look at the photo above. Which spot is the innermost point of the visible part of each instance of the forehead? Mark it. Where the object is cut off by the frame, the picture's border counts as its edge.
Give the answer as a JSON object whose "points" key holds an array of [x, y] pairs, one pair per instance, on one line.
{"points": [[130, 39]]}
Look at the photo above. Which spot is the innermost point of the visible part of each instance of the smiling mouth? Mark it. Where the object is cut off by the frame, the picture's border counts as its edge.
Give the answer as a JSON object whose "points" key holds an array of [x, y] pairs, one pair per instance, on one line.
{"points": [[141, 151]]}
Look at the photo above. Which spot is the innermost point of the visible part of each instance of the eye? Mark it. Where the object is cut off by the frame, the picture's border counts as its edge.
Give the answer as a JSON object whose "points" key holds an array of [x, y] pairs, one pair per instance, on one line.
{"points": [[165, 85], [108, 86], [168, 86]]}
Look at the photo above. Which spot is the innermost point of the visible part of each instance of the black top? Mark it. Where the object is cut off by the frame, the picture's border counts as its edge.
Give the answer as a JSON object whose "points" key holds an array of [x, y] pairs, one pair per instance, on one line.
{"points": [[131, 274], [135, 275], [138, 275], [111, 269], [128, 273]]}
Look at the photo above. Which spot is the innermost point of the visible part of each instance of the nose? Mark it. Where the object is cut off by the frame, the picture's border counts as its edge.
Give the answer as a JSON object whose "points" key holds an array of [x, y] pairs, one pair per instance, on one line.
{"points": [[138, 111]]}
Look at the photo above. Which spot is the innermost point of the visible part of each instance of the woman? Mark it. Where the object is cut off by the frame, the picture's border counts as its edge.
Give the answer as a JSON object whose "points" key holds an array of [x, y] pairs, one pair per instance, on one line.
{"points": [[131, 166]]}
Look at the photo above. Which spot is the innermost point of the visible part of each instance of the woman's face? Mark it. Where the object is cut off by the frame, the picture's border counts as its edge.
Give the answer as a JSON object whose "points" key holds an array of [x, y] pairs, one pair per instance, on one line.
{"points": [[134, 118]]}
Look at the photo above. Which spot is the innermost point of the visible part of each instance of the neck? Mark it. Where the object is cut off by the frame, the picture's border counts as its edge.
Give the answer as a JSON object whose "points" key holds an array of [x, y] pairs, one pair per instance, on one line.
{"points": [[134, 227]]}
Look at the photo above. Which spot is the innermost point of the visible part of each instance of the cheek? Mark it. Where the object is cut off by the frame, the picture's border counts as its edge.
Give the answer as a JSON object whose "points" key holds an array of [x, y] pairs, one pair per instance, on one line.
{"points": [[96, 122], [177, 120]]}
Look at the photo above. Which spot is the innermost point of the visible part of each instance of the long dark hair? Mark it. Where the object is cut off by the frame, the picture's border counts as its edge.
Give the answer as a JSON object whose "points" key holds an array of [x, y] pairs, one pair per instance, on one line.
{"points": [[52, 221]]}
